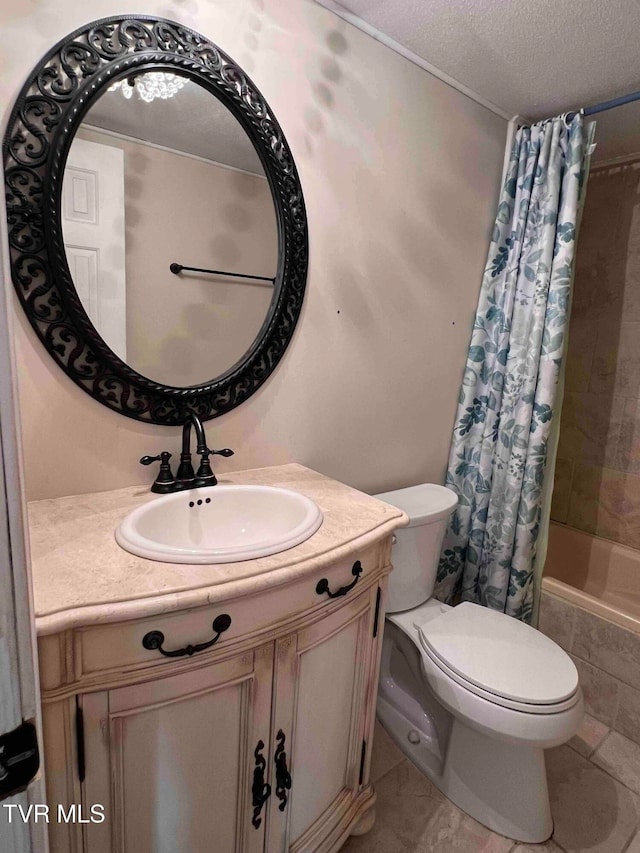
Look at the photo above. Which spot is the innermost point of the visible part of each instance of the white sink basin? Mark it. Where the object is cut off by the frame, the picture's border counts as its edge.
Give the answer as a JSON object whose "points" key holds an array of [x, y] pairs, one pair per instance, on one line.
{"points": [[219, 524]]}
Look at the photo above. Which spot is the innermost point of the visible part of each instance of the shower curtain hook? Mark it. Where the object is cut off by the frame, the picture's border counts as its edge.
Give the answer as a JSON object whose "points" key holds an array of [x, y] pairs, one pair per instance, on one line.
{"points": [[569, 117]]}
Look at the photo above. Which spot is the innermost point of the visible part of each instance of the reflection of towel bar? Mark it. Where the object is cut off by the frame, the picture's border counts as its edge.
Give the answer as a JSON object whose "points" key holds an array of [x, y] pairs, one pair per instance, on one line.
{"points": [[176, 269]]}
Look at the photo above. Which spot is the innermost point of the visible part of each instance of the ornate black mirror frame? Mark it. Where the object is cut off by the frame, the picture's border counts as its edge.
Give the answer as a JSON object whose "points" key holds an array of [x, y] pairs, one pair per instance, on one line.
{"points": [[47, 113]]}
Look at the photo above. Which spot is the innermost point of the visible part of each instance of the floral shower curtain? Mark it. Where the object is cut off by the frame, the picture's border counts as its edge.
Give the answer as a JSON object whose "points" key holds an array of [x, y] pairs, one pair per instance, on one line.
{"points": [[506, 404]]}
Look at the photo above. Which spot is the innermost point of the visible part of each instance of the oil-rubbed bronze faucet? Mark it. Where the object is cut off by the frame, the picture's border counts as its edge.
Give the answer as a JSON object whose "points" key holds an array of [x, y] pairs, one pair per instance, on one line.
{"points": [[186, 478]]}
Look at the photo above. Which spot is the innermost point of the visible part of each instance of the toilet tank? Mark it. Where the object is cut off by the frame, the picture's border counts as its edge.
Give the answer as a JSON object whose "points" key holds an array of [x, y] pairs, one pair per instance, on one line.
{"points": [[416, 550]]}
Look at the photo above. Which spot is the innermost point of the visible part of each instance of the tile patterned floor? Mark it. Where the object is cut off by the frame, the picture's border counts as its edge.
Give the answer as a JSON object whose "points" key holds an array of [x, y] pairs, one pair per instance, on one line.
{"points": [[594, 784]]}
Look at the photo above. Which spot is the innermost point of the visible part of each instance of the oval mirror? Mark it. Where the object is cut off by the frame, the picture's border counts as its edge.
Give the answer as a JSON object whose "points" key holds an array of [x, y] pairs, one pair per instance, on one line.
{"points": [[156, 221], [159, 176]]}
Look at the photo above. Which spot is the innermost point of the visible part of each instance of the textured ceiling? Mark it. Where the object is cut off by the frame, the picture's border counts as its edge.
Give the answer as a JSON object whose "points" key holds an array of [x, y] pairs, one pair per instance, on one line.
{"points": [[192, 121], [535, 58]]}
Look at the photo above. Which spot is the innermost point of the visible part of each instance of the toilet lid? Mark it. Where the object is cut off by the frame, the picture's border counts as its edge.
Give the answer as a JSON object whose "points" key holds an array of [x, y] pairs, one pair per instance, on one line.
{"points": [[500, 655]]}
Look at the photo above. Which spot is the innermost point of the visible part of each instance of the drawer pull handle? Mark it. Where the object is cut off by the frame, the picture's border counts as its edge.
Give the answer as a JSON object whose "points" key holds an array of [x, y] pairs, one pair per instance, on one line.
{"points": [[323, 584], [283, 777], [260, 791], [154, 639]]}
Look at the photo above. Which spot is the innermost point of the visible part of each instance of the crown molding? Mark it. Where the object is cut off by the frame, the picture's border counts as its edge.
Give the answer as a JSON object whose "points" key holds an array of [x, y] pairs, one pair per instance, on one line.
{"points": [[384, 39]]}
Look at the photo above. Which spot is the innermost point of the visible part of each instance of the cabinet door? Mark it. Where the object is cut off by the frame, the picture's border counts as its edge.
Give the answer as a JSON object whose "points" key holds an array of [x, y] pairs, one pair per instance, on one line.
{"points": [[173, 759], [322, 679]]}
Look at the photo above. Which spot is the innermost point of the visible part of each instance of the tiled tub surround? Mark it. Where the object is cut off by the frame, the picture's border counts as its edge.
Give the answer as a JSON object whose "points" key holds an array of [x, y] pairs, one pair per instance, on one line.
{"points": [[606, 655], [597, 487], [590, 601]]}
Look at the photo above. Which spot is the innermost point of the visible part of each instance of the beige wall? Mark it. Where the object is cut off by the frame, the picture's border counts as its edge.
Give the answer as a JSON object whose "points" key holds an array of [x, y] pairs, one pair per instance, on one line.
{"points": [[401, 175], [597, 486], [188, 330]]}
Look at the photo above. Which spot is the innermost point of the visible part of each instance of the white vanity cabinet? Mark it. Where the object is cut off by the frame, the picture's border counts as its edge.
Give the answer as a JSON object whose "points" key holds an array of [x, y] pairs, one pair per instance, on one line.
{"points": [[259, 743], [171, 759], [324, 704]]}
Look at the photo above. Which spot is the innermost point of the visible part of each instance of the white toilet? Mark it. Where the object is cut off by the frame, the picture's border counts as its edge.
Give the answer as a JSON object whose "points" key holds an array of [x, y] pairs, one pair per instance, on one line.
{"points": [[470, 695]]}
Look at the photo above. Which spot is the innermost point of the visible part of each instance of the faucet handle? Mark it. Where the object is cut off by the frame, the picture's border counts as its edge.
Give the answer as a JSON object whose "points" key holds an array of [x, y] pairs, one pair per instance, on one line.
{"points": [[204, 475], [164, 482], [147, 460]]}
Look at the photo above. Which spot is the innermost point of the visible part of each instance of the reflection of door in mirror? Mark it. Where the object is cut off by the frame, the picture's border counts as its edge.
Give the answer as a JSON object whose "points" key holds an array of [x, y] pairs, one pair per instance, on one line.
{"points": [[94, 236], [195, 194]]}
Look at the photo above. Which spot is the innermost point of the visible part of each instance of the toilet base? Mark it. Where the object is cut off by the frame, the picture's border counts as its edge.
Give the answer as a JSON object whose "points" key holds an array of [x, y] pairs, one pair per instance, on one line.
{"points": [[501, 785]]}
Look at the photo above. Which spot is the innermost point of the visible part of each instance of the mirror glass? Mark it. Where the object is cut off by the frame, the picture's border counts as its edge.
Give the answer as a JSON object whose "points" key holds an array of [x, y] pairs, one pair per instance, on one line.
{"points": [[161, 173]]}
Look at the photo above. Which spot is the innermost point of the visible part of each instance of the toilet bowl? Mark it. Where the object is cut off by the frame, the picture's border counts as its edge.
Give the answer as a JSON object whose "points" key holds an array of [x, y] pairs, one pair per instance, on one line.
{"points": [[470, 695]]}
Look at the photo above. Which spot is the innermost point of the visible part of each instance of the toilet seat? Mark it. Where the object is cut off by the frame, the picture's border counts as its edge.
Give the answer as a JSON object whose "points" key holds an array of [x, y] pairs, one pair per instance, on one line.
{"points": [[501, 701], [540, 727], [500, 659]]}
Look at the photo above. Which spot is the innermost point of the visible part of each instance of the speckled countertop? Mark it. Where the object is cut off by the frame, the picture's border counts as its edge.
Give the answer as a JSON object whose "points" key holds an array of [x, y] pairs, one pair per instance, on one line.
{"points": [[81, 575]]}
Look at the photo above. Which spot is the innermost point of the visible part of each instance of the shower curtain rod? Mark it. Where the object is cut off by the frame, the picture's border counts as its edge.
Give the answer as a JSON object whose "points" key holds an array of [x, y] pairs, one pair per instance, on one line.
{"points": [[614, 102]]}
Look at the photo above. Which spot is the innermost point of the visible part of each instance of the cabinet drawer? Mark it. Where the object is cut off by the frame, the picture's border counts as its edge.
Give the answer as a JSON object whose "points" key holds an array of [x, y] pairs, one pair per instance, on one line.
{"points": [[118, 647]]}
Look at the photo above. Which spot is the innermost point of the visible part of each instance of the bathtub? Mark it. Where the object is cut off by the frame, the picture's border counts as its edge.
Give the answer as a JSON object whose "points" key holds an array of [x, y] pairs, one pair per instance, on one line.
{"points": [[596, 574]]}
